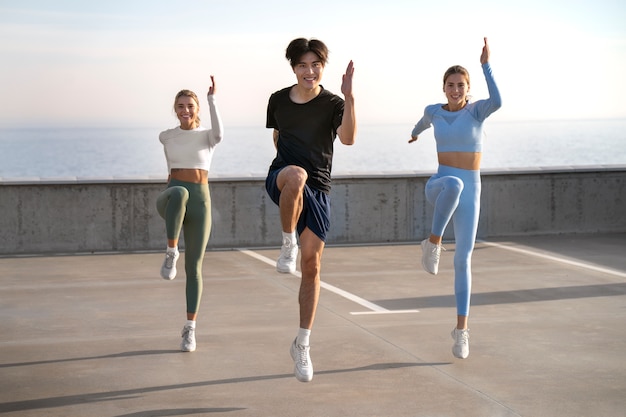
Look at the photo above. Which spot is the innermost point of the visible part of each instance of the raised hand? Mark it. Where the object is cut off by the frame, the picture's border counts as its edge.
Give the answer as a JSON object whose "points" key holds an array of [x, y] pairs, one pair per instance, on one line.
{"points": [[484, 57], [346, 80], [212, 87]]}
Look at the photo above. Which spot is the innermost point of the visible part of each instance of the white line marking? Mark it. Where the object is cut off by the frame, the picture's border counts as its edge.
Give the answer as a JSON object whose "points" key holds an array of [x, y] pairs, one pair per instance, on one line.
{"points": [[354, 298], [257, 256], [366, 313], [375, 308], [557, 259]]}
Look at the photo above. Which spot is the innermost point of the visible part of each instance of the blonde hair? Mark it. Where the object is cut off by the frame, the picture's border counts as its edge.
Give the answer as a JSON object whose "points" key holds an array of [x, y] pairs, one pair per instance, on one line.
{"points": [[189, 93]]}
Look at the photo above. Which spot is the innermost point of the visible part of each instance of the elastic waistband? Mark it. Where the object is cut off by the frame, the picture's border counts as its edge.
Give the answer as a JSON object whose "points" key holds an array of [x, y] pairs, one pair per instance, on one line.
{"points": [[192, 187], [465, 174]]}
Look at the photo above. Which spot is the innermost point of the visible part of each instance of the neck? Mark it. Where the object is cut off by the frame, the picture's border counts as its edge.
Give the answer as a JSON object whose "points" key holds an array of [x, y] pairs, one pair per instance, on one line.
{"points": [[300, 94], [455, 106]]}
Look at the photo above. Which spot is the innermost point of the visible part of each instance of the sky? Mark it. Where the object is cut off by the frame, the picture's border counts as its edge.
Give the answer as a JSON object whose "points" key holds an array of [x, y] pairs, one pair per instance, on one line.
{"points": [[76, 63]]}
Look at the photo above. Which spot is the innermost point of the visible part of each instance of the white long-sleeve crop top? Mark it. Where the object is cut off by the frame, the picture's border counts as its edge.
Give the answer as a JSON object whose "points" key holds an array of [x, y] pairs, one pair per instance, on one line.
{"points": [[461, 131], [192, 148]]}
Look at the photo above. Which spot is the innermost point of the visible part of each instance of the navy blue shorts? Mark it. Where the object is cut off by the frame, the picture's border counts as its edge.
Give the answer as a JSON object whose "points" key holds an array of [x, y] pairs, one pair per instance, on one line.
{"points": [[315, 211]]}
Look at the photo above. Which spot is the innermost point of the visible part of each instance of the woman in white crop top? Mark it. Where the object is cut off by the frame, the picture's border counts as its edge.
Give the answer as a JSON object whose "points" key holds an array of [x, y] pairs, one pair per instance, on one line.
{"points": [[454, 190], [186, 202]]}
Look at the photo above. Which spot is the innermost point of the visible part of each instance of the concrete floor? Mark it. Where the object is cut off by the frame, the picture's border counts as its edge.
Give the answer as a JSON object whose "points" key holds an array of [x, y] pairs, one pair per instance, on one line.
{"points": [[98, 335]]}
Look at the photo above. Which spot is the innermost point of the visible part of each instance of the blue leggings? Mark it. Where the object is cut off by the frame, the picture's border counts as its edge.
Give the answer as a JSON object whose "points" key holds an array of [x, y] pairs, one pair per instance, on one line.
{"points": [[187, 206], [455, 194]]}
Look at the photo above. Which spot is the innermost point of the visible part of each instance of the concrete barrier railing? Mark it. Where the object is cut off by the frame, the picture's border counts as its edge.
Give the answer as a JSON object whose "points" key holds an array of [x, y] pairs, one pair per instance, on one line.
{"points": [[101, 215]]}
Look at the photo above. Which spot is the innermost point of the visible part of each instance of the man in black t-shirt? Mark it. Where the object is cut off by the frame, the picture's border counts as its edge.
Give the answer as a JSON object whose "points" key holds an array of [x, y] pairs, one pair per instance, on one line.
{"points": [[306, 119]]}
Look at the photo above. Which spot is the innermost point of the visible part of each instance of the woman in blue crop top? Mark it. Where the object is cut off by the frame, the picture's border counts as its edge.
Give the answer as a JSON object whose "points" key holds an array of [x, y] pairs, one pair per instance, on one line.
{"points": [[185, 204], [454, 190]]}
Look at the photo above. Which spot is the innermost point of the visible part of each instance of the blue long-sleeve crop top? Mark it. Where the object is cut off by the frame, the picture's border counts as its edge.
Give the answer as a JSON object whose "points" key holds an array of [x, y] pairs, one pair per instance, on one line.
{"points": [[461, 131]]}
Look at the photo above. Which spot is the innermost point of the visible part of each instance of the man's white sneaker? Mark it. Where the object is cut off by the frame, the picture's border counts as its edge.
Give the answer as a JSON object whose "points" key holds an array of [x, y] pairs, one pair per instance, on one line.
{"points": [[287, 260], [189, 339], [430, 256], [303, 367], [460, 349], [168, 269]]}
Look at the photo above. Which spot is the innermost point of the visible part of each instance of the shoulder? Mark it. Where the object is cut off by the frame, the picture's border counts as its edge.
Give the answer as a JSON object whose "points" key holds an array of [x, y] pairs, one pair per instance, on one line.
{"points": [[169, 133], [329, 96], [433, 108], [328, 100], [279, 98], [283, 92]]}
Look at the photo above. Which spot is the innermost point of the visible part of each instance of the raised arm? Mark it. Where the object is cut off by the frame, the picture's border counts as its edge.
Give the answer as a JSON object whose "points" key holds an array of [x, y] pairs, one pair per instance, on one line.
{"points": [[484, 57], [216, 121], [486, 107], [347, 130]]}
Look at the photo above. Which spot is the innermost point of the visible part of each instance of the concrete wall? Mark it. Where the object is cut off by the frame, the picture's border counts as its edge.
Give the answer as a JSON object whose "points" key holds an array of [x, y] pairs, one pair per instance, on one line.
{"points": [[119, 215]]}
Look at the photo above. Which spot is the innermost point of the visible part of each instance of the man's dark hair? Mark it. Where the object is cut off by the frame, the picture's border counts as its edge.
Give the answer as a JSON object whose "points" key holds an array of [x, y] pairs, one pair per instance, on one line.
{"points": [[301, 46]]}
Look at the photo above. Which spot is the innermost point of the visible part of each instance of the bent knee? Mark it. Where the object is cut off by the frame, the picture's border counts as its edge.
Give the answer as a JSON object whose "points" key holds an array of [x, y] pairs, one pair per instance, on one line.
{"points": [[454, 184], [292, 177], [178, 193]]}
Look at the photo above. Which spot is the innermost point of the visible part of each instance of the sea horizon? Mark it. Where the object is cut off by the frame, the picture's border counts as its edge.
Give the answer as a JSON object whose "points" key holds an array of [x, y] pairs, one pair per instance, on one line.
{"points": [[56, 152]]}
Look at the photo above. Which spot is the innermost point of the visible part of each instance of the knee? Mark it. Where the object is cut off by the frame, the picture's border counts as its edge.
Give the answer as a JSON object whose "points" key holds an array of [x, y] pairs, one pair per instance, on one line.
{"points": [[177, 196], [311, 265], [454, 184], [463, 263], [179, 193], [292, 178]]}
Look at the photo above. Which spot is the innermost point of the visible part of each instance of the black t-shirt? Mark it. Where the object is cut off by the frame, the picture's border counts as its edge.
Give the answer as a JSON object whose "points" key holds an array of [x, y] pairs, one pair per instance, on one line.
{"points": [[306, 133]]}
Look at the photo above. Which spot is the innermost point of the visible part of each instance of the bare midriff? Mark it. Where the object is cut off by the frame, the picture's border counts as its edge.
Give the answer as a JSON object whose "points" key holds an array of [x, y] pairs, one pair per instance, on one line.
{"points": [[462, 160], [194, 175]]}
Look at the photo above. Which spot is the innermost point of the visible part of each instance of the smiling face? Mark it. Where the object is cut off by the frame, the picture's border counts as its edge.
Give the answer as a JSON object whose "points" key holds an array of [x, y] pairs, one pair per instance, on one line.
{"points": [[309, 70], [186, 108], [456, 88]]}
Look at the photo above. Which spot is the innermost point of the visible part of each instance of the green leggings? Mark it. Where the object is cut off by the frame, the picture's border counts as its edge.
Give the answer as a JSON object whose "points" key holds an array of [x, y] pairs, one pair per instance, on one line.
{"points": [[187, 206]]}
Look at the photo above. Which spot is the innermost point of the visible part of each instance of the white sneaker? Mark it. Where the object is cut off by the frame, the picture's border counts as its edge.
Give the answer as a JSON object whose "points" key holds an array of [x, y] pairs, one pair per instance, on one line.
{"points": [[460, 349], [430, 256], [168, 269], [287, 260], [189, 339], [303, 367]]}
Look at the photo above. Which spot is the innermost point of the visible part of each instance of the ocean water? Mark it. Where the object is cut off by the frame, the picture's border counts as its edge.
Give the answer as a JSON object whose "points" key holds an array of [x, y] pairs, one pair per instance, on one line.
{"points": [[247, 151]]}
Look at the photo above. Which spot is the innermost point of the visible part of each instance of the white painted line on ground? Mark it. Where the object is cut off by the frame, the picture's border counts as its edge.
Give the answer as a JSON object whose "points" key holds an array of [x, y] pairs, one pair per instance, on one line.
{"points": [[257, 256], [557, 259], [369, 313], [374, 308]]}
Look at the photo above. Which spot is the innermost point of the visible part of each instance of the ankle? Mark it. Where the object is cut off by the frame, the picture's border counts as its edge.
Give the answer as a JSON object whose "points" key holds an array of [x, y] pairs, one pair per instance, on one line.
{"points": [[289, 238], [435, 240], [303, 337]]}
